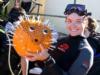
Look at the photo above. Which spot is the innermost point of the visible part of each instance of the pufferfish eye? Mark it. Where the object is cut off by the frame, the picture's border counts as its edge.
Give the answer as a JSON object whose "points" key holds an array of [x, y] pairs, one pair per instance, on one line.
{"points": [[31, 28], [45, 31]]}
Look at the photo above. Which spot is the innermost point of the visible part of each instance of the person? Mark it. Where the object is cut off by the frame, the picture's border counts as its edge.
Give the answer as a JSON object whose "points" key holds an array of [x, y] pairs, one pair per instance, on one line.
{"points": [[26, 4], [93, 38], [13, 16], [8, 27], [72, 54], [4, 67]]}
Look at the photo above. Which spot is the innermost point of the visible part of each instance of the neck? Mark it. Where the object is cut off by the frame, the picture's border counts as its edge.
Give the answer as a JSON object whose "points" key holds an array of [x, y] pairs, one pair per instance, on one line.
{"points": [[87, 33]]}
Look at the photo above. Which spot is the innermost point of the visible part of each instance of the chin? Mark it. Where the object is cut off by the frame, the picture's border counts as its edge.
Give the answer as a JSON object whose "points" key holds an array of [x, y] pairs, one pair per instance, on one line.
{"points": [[74, 34]]}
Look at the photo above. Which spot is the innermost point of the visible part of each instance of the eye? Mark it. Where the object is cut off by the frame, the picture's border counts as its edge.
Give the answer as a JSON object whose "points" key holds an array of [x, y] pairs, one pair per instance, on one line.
{"points": [[31, 29], [45, 31], [79, 21], [68, 20]]}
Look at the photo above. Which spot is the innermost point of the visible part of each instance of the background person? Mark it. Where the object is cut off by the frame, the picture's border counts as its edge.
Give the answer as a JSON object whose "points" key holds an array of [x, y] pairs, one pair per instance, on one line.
{"points": [[93, 38], [26, 4]]}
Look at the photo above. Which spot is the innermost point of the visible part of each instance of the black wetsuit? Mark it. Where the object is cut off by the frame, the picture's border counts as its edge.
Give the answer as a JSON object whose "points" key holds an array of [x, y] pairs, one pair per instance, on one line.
{"points": [[73, 56], [94, 41], [15, 59], [26, 5]]}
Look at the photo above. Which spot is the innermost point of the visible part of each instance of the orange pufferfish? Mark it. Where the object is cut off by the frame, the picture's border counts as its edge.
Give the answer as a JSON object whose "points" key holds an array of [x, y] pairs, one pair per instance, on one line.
{"points": [[29, 35]]}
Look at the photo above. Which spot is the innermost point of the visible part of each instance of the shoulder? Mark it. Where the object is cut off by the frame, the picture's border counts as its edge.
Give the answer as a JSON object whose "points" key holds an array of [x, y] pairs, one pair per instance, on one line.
{"points": [[96, 35], [94, 38], [62, 39], [84, 45]]}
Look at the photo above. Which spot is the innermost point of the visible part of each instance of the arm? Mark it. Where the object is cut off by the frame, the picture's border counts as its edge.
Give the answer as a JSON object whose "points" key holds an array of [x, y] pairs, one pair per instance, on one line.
{"points": [[84, 61], [32, 57], [81, 66], [24, 66]]}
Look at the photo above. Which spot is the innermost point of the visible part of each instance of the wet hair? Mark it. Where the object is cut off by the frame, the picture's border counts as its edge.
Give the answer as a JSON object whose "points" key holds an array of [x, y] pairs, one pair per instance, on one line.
{"points": [[76, 8], [92, 24]]}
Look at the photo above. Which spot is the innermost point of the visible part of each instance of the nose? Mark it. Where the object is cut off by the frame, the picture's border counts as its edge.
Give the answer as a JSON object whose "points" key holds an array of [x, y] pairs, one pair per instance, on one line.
{"points": [[73, 24]]}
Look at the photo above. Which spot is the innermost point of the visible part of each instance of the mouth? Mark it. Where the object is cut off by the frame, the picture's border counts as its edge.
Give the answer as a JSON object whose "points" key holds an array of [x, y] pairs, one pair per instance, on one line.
{"points": [[74, 30]]}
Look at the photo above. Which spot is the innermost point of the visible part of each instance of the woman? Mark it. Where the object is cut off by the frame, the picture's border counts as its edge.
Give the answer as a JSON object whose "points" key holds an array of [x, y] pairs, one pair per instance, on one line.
{"points": [[72, 54], [93, 36], [13, 16], [26, 4], [94, 41]]}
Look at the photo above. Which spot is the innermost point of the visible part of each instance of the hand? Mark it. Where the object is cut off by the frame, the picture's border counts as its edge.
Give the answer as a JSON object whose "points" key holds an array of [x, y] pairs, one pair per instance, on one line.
{"points": [[38, 56]]}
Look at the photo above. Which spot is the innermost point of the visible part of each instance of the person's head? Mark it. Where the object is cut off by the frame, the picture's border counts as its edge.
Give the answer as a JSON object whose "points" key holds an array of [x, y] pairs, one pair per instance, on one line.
{"points": [[91, 28], [92, 25], [14, 14], [76, 19]]}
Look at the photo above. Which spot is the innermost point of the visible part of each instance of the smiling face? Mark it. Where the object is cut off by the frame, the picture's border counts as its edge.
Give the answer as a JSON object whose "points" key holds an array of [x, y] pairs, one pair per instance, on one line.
{"points": [[76, 24]]}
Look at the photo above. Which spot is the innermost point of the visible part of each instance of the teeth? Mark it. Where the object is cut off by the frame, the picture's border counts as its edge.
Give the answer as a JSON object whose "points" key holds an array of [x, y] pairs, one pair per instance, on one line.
{"points": [[73, 30]]}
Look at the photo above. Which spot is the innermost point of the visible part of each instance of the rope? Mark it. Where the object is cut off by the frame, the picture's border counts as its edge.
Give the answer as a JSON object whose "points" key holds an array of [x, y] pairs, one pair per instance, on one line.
{"points": [[1, 30]]}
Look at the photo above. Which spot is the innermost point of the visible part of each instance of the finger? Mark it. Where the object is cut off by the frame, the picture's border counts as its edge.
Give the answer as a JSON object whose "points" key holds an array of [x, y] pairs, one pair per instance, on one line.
{"points": [[42, 48], [29, 53], [31, 58]]}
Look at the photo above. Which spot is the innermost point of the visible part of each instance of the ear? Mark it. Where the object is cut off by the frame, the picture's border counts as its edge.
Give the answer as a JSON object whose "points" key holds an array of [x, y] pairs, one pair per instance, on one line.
{"points": [[86, 22]]}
